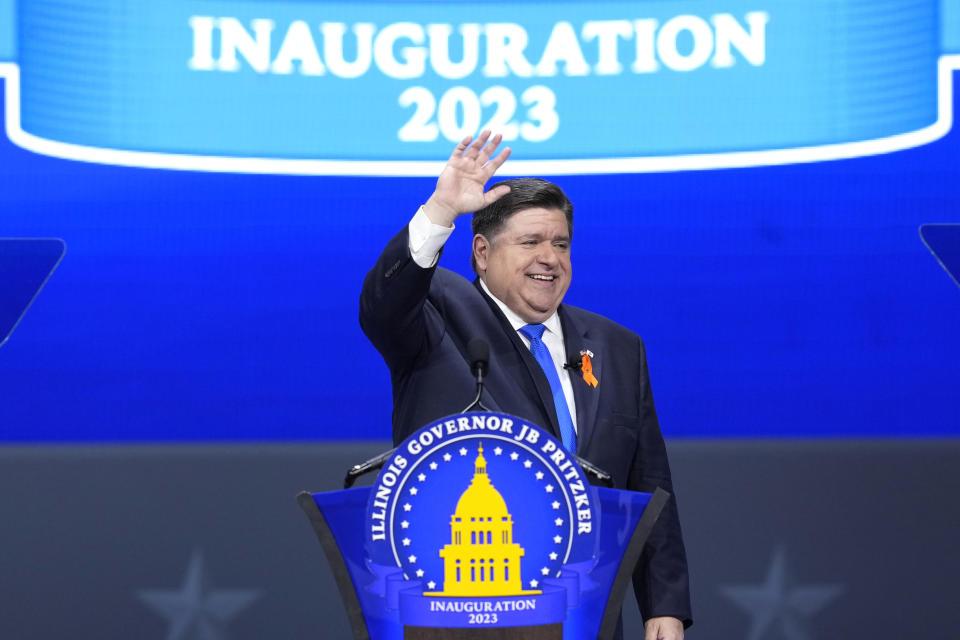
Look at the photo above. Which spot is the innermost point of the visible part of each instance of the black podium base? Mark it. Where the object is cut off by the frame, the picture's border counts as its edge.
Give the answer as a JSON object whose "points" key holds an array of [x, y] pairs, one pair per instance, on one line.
{"points": [[538, 632]]}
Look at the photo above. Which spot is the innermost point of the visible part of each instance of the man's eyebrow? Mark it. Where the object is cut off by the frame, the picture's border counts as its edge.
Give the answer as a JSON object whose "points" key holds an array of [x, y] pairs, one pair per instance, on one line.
{"points": [[539, 236]]}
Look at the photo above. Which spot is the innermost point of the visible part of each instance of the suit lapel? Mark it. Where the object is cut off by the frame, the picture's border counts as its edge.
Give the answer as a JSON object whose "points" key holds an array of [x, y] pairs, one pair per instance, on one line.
{"points": [[526, 371], [576, 339]]}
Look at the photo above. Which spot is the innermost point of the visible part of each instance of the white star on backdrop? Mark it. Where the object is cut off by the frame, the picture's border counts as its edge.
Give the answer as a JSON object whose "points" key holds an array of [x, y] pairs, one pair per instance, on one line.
{"points": [[196, 611], [779, 604]]}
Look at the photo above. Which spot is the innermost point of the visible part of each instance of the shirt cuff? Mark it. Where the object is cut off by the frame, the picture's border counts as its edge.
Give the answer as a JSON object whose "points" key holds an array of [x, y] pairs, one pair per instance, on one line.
{"points": [[426, 239]]}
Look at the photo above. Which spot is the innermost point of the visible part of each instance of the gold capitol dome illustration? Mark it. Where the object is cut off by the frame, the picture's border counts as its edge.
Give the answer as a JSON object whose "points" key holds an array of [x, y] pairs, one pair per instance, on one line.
{"points": [[482, 559]]}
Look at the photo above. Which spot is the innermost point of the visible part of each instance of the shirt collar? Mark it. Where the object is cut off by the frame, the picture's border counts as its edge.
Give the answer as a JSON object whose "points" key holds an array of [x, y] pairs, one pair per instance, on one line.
{"points": [[552, 323]]}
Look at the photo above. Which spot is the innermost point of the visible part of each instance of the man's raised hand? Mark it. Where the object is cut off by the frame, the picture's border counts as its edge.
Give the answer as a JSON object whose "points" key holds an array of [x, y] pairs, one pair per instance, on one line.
{"points": [[460, 186]]}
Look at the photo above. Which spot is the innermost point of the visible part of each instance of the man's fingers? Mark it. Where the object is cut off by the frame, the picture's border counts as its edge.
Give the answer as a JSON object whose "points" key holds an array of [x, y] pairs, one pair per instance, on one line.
{"points": [[664, 628], [474, 150], [458, 151], [488, 150], [495, 194], [495, 163]]}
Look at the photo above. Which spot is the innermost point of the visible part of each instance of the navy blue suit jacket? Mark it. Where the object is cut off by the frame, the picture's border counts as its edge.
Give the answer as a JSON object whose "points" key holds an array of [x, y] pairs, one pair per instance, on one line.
{"points": [[421, 321]]}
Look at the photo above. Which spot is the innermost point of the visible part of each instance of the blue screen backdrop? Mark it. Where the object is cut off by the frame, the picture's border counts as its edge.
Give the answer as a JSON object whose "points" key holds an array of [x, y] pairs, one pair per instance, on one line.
{"points": [[794, 300]]}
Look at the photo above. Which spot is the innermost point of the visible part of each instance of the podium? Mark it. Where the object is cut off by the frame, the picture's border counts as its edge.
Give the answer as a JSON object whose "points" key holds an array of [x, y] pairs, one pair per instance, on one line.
{"points": [[481, 526]]}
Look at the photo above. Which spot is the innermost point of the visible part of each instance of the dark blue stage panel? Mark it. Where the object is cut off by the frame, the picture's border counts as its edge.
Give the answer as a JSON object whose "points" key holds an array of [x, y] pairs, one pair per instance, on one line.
{"points": [[749, 182]]}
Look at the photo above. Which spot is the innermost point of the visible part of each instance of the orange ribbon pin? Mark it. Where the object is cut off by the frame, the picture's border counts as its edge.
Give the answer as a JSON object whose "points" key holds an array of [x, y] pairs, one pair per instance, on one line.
{"points": [[586, 368]]}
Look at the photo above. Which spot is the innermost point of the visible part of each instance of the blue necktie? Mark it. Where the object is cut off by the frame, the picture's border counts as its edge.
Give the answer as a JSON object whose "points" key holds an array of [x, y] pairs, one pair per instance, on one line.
{"points": [[534, 332]]}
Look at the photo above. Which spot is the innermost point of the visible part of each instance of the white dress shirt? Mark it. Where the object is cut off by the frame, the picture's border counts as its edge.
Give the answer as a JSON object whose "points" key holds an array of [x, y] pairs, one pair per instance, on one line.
{"points": [[426, 240]]}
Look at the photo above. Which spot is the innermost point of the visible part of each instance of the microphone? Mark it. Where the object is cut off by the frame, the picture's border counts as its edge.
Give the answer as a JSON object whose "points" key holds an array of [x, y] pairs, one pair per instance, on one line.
{"points": [[372, 464], [478, 353], [593, 470]]}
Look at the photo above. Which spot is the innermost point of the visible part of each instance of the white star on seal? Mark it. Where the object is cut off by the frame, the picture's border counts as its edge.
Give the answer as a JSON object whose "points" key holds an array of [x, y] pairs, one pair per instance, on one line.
{"points": [[412, 559], [553, 555], [446, 457], [422, 477], [545, 571], [406, 542], [433, 466], [514, 455], [413, 491], [407, 506], [549, 488], [419, 573], [534, 583], [432, 585], [527, 464], [559, 522], [463, 451], [557, 539], [498, 451], [405, 524]]}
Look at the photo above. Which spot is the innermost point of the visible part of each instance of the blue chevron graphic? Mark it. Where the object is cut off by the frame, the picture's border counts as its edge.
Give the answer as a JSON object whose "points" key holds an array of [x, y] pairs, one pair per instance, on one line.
{"points": [[25, 266], [943, 241]]}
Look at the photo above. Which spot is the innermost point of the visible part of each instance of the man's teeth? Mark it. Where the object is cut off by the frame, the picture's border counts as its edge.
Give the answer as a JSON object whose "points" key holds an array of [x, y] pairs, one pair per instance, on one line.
{"points": [[537, 276]]}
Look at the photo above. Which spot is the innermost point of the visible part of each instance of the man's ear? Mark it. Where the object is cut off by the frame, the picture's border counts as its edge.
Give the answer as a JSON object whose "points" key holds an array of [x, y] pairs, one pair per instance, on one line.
{"points": [[481, 252]]}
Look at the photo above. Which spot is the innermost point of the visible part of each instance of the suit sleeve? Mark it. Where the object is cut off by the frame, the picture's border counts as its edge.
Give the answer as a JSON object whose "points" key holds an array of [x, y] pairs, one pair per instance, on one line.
{"points": [[394, 313], [661, 582]]}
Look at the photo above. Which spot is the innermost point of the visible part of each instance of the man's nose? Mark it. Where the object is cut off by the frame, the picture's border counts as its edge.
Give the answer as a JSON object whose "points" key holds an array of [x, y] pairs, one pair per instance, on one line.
{"points": [[548, 255]]}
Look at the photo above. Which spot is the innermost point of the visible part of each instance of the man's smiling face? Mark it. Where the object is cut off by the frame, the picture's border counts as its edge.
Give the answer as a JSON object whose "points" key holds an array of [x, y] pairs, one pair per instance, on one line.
{"points": [[527, 264]]}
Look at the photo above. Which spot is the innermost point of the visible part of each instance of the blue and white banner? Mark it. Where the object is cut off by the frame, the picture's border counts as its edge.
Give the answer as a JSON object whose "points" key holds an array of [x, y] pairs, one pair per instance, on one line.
{"points": [[387, 86]]}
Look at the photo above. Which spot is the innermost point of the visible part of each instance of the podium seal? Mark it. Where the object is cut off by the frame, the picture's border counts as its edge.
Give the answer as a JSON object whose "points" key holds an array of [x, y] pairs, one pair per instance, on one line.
{"points": [[473, 520]]}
